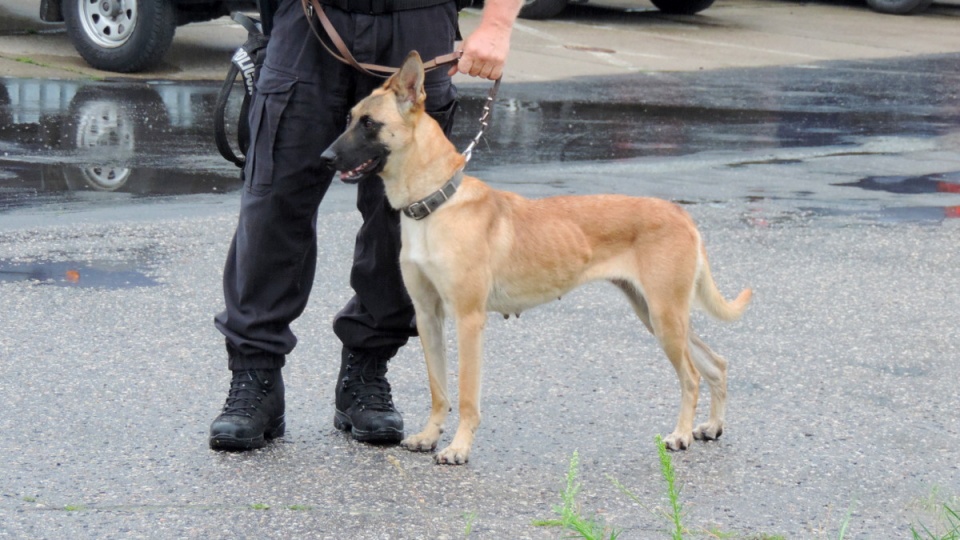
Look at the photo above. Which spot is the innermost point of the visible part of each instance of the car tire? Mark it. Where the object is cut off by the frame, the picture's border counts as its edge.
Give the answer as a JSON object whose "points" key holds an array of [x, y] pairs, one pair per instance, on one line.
{"points": [[899, 7], [541, 9], [120, 35], [682, 7]]}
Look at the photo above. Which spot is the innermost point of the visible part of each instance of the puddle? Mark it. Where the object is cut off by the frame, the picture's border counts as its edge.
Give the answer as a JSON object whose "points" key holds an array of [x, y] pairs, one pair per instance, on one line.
{"points": [[88, 274], [141, 139], [70, 142], [939, 183], [948, 182], [919, 215], [551, 132], [109, 136]]}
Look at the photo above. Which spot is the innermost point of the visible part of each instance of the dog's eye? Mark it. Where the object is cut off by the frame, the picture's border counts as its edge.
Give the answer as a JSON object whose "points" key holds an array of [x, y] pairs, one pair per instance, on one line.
{"points": [[366, 122]]}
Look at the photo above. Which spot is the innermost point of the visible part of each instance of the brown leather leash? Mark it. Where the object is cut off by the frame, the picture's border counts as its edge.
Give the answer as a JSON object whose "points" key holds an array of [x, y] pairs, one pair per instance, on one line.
{"points": [[311, 7]]}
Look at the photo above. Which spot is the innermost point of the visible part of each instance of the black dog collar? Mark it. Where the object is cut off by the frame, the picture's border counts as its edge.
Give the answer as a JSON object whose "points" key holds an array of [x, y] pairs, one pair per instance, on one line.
{"points": [[426, 206]]}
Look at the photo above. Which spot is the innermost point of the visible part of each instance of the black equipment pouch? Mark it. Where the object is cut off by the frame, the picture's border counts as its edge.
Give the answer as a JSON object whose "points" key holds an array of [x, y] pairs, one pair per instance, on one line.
{"points": [[247, 62]]}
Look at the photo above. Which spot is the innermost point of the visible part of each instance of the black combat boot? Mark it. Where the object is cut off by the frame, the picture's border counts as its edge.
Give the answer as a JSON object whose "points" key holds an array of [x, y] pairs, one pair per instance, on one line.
{"points": [[364, 404], [253, 412]]}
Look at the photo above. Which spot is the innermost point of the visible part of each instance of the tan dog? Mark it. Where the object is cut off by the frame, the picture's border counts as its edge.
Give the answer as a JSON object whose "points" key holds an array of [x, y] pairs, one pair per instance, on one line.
{"points": [[474, 249]]}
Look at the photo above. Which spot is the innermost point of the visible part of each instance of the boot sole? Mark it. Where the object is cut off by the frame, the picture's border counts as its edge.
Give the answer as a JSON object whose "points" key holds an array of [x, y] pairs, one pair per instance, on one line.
{"points": [[228, 442], [387, 435]]}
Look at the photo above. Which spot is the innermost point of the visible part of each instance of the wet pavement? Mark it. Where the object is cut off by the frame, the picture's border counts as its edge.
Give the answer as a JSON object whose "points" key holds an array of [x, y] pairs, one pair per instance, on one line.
{"points": [[58, 138], [831, 188]]}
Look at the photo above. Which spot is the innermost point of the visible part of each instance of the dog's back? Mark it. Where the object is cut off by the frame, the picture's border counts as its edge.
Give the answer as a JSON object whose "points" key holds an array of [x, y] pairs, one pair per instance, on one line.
{"points": [[539, 249]]}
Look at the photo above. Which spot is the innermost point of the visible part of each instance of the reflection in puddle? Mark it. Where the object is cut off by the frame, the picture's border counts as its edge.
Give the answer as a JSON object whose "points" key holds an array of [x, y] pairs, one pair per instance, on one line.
{"points": [[929, 183], [32, 184], [918, 214], [92, 274], [921, 215], [914, 185], [58, 137]]}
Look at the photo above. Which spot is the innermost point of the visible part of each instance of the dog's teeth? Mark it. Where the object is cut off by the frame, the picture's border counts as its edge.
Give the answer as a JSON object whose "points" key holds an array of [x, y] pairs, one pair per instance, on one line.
{"points": [[353, 173]]}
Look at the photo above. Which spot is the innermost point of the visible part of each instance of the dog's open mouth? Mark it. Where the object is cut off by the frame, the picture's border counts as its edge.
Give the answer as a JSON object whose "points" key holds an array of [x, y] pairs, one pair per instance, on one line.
{"points": [[354, 175]]}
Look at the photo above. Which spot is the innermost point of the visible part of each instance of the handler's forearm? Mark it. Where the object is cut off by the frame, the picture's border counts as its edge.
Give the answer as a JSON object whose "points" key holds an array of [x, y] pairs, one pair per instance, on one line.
{"points": [[500, 14], [485, 50]]}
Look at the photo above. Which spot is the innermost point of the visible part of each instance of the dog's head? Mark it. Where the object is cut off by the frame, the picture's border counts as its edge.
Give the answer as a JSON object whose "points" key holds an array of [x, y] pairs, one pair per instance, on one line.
{"points": [[380, 125]]}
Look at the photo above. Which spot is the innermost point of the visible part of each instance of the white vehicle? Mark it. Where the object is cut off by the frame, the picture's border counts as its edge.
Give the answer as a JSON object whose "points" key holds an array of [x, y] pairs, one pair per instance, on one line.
{"points": [[899, 7], [544, 9], [130, 35]]}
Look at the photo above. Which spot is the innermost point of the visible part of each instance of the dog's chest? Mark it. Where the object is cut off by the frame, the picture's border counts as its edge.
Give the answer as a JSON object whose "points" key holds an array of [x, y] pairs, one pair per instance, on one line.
{"points": [[418, 248], [510, 291]]}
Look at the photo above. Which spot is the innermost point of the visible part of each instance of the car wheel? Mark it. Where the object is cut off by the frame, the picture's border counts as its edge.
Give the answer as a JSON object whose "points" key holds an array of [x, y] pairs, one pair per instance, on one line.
{"points": [[541, 9], [899, 7], [682, 7], [120, 35]]}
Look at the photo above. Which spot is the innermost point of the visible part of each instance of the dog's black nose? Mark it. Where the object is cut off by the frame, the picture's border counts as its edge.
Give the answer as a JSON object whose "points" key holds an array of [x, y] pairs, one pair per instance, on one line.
{"points": [[329, 159]]}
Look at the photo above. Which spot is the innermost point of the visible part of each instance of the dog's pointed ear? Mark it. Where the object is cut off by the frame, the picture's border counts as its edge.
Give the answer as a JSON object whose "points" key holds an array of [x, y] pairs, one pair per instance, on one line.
{"points": [[407, 83]]}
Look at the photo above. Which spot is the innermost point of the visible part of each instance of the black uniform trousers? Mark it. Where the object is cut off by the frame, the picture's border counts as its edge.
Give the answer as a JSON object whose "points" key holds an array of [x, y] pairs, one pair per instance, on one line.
{"points": [[299, 107]]}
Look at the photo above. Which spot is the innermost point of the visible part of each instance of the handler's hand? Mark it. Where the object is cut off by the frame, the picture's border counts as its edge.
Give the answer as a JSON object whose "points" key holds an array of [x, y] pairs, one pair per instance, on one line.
{"points": [[485, 50]]}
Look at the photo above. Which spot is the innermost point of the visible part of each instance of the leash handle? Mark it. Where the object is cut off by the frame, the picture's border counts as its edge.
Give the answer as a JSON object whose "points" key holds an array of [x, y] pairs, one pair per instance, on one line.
{"points": [[313, 8]]}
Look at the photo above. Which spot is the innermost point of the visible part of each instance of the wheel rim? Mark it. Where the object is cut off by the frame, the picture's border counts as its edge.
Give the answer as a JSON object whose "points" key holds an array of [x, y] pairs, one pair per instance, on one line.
{"points": [[108, 23], [105, 134]]}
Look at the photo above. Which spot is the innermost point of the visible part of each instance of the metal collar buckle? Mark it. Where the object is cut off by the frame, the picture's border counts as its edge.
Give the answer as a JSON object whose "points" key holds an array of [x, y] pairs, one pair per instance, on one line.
{"points": [[417, 210]]}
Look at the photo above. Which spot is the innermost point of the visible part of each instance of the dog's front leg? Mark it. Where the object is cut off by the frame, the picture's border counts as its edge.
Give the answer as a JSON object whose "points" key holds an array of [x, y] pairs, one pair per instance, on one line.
{"points": [[470, 343], [430, 317]]}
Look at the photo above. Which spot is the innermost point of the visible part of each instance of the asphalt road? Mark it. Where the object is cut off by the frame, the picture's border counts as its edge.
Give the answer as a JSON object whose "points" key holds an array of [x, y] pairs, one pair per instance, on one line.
{"points": [[825, 183], [583, 42]]}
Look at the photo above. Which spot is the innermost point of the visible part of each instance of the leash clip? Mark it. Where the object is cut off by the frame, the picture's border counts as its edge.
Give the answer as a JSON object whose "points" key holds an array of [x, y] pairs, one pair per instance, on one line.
{"points": [[484, 120]]}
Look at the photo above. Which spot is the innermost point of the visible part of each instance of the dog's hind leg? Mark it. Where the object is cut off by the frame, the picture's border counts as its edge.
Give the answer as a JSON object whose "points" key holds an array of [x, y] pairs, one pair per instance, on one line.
{"points": [[637, 301], [713, 367], [671, 327], [430, 318]]}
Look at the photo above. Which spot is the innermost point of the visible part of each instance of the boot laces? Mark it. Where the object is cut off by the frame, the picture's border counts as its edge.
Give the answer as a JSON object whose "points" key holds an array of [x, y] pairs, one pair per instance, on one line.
{"points": [[369, 387], [245, 395]]}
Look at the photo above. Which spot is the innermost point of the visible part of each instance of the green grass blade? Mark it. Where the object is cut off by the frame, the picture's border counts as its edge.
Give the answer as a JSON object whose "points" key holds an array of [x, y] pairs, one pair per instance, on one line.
{"points": [[666, 469]]}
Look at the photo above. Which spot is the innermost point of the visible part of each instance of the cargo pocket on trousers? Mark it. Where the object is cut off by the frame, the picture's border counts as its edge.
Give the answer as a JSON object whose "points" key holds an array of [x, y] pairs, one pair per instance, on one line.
{"points": [[274, 89], [444, 116]]}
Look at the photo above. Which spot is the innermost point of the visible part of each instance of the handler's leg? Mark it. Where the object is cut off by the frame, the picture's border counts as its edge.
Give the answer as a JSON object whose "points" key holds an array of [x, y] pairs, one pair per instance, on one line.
{"points": [[270, 268], [380, 318]]}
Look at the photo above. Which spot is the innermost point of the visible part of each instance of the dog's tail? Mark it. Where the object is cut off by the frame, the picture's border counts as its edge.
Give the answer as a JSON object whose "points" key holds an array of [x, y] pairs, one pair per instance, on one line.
{"points": [[710, 298]]}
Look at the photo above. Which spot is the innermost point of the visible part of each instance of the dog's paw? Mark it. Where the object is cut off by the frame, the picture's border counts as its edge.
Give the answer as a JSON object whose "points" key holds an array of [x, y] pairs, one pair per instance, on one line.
{"points": [[420, 443], [708, 431], [678, 441], [453, 456]]}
